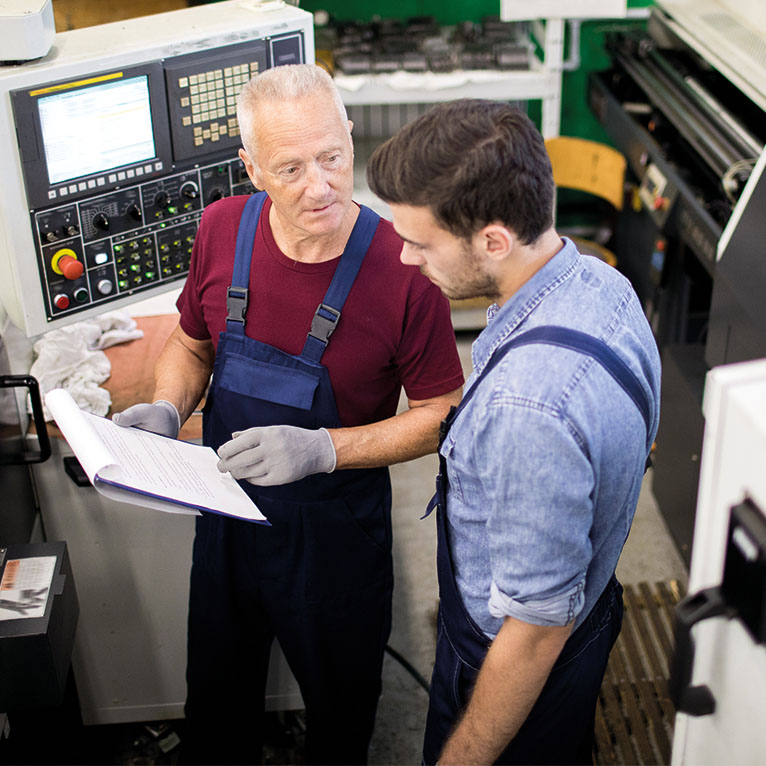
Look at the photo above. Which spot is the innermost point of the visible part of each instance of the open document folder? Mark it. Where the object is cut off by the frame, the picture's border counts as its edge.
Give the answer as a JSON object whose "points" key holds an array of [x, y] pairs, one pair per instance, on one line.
{"points": [[143, 468]]}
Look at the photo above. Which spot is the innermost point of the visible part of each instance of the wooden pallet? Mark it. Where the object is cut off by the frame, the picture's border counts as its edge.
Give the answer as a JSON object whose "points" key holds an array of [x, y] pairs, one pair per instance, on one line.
{"points": [[634, 716]]}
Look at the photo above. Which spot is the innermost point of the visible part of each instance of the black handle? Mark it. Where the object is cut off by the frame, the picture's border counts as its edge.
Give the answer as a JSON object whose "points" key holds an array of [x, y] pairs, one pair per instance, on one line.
{"points": [[694, 700], [27, 456]]}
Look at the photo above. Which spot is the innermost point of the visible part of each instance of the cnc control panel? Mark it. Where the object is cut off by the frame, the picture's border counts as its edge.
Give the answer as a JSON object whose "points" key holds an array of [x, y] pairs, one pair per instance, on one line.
{"points": [[129, 239], [117, 162]]}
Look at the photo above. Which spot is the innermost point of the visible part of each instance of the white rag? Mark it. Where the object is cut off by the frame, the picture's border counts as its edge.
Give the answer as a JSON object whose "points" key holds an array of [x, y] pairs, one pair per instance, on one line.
{"points": [[71, 358]]}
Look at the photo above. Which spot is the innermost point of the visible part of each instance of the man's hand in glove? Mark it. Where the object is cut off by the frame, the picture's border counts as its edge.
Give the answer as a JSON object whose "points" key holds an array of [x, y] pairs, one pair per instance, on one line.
{"points": [[159, 418], [277, 454]]}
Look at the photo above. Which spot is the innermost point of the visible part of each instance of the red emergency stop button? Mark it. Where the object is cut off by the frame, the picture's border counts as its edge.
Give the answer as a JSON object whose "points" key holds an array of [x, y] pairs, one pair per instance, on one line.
{"points": [[70, 267], [61, 301], [65, 262]]}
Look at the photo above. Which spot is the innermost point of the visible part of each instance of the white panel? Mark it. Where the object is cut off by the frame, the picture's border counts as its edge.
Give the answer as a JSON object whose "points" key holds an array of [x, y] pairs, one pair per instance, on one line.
{"points": [[27, 29], [726, 658], [729, 36], [520, 10]]}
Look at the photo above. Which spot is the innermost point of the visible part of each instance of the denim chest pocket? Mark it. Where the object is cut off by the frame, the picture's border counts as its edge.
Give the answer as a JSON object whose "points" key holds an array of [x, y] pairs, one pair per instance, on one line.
{"points": [[450, 453], [271, 382]]}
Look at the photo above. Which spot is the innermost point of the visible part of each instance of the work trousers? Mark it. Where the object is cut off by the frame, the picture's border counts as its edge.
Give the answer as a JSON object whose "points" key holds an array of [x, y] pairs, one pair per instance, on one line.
{"points": [[559, 728], [320, 579]]}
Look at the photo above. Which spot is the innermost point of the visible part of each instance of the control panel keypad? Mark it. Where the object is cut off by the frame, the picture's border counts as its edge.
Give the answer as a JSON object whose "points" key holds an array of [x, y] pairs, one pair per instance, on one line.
{"points": [[202, 93], [212, 98], [136, 262]]}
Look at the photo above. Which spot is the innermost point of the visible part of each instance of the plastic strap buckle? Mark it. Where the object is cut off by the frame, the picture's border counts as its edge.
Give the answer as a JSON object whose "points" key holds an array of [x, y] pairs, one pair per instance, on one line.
{"points": [[236, 304], [324, 322]]}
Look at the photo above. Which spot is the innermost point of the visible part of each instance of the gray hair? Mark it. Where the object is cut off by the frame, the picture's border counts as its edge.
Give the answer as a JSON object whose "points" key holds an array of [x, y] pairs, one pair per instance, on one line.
{"points": [[281, 83]]}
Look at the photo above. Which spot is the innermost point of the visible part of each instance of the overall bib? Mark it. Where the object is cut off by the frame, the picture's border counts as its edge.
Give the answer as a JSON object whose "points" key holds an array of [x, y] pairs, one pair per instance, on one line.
{"points": [[319, 578], [559, 728]]}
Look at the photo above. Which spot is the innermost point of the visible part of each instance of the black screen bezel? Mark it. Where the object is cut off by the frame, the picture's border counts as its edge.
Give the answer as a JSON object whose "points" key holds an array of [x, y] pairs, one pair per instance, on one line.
{"points": [[40, 191]]}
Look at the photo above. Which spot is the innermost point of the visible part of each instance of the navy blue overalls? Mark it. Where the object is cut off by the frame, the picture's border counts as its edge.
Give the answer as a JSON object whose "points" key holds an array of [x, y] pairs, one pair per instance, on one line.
{"points": [[559, 728], [320, 577]]}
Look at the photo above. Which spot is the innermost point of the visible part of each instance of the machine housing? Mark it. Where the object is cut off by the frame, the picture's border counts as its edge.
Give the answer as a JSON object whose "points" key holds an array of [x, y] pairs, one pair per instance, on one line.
{"points": [[121, 136]]}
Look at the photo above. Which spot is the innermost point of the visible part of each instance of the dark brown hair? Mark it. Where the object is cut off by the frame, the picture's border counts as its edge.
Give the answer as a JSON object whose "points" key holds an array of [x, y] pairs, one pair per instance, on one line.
{"points": [[472, 162]]}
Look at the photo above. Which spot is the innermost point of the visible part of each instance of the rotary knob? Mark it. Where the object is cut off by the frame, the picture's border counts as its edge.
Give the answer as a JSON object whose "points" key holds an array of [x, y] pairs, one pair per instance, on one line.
{"points": [[101, 221], [162, 199], [190, 190]]}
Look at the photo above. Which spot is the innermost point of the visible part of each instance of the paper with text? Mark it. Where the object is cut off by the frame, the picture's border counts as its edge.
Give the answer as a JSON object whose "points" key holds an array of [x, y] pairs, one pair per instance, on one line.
{"points": [[139, 467]]}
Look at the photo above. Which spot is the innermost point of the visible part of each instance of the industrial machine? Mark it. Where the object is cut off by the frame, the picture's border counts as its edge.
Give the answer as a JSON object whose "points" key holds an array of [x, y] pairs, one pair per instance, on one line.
{"points": [[685, 101], [114, 143], [119, 138], [719, 673]]}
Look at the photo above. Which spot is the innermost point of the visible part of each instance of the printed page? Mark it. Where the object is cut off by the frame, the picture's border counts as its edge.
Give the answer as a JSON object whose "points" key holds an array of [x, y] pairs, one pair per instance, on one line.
{"points": [[122, 495], [154, 469], [85, 442], [170, 469]]}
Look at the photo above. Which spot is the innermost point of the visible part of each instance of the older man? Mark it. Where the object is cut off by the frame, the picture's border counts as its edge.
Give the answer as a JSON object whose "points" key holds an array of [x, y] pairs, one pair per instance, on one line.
{"points": [[324, 327]]}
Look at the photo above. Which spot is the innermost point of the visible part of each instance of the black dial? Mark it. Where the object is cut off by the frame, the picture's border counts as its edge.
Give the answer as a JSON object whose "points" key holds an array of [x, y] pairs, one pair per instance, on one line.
{"points": [[101, 221], [162, 199], [190, 191]]}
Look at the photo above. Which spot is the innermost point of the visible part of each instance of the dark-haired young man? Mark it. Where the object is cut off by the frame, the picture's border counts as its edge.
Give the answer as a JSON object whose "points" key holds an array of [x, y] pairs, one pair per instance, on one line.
{"points": [[542, 462]]}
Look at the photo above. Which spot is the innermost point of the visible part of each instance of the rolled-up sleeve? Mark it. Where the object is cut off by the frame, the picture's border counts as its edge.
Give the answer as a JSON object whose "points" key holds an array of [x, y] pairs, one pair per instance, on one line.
{"points": [[560, 609], [538, 481]]}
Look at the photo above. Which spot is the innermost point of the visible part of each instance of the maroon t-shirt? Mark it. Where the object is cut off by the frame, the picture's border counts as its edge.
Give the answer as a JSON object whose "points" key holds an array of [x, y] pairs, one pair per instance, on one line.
{"points": [[395, 328]]}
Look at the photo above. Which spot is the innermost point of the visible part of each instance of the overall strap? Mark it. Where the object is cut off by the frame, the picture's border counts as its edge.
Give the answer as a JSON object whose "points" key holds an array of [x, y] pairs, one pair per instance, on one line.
{"points": [[326, 316], [566, 338], [585, 344], [237, 293]]}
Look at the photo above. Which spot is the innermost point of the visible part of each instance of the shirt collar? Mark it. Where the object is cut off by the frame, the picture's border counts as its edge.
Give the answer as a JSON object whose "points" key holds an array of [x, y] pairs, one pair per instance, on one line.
{"points": [[503, 320]]}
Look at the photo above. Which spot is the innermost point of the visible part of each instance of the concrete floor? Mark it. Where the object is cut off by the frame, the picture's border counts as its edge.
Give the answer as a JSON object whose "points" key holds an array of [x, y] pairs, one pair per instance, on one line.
{"points": [[649, 556]]}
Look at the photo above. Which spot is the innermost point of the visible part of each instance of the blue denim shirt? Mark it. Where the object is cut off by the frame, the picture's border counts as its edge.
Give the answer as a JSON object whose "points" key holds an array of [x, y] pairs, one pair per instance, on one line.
{"points": [[545, 463]]}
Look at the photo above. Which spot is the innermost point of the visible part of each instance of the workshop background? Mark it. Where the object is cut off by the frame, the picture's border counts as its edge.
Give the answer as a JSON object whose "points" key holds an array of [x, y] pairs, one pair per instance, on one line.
{"points": [[675, 198]]}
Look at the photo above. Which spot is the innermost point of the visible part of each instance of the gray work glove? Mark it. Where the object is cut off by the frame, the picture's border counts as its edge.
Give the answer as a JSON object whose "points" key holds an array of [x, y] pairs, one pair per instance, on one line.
{"points": [[271, 455], [161, 417]]}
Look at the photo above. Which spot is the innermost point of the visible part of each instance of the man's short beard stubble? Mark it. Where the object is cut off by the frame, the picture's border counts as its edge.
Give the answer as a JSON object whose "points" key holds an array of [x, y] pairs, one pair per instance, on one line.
{"points": [[469, 280]]}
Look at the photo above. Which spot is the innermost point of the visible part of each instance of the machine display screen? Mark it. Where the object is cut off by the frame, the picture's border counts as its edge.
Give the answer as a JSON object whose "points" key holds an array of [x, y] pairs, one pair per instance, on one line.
{"points": [[94, 129]]}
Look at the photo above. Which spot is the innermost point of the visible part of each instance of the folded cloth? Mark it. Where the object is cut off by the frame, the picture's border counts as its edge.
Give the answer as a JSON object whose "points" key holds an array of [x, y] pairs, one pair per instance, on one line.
{"points": [[72, 358]]}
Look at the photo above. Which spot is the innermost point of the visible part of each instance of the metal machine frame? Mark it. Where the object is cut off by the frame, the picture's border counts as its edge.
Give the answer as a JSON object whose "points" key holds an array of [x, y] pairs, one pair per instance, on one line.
{"points": [[74, 247]]}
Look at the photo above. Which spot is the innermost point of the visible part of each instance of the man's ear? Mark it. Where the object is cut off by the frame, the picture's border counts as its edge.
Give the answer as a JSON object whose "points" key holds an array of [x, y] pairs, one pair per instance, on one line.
{"points": [[251, 168], [495, 241]]}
